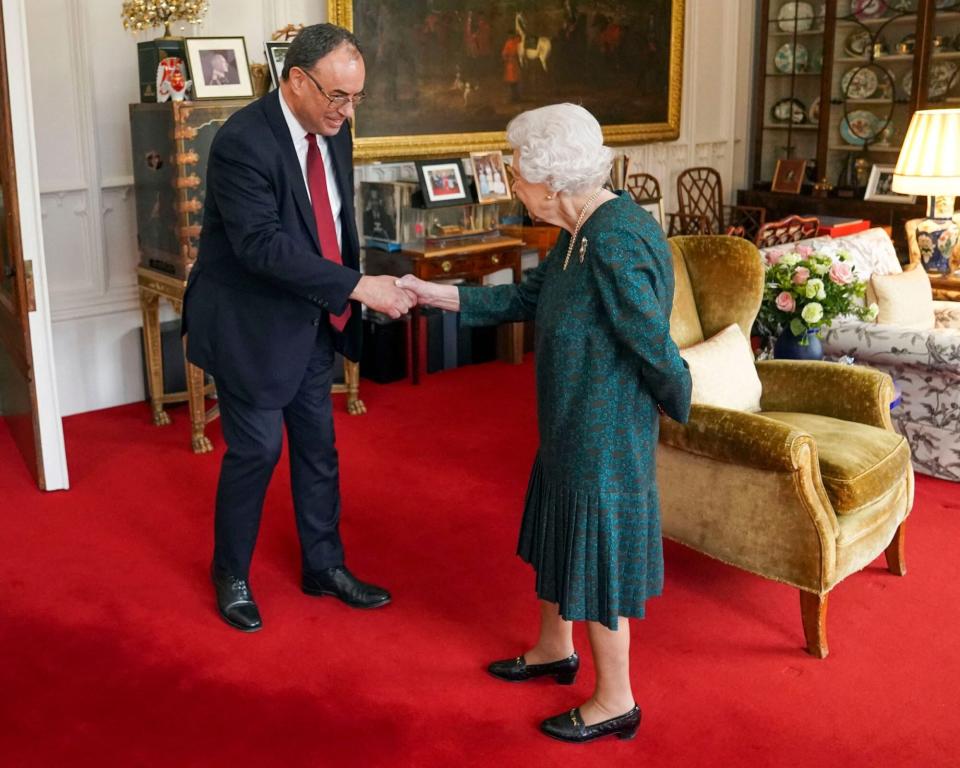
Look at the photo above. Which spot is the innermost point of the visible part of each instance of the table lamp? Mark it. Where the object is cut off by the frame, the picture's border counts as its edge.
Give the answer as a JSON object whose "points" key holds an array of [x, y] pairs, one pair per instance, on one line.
{"points": [[929, 164]]}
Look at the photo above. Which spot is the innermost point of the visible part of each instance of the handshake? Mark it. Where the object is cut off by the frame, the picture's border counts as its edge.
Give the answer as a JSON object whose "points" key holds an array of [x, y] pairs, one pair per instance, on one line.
{"points": [[397, 296]]}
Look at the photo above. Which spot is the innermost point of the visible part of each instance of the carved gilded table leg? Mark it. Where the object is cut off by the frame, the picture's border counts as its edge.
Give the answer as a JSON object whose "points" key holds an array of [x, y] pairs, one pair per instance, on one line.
{"points": [[198, 413], [149, 305], [351, 377]]}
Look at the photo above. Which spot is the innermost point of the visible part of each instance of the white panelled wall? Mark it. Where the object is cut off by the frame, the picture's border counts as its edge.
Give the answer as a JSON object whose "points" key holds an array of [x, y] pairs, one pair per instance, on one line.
{"points": [[83, 71]]}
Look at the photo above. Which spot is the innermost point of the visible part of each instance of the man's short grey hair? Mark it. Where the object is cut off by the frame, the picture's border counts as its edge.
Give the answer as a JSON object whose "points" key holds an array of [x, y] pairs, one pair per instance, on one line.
{"points": [[313, 43], [560, 145]]}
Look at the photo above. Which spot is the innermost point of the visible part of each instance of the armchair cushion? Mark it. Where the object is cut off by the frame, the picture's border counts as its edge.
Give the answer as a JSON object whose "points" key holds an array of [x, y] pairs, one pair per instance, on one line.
{"points": [[723, 371], [858, 463], [905, 299]]}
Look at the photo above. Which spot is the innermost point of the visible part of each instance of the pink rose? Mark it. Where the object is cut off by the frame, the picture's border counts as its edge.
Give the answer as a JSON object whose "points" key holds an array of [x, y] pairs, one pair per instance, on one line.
{"points": [[773, 258], [801, 275], [803, 250], [840, 273], [785, 302]]}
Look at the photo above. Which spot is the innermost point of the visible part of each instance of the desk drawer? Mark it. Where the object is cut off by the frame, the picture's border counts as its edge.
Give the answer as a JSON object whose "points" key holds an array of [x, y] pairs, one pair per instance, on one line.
{"points": [[466, 265]]}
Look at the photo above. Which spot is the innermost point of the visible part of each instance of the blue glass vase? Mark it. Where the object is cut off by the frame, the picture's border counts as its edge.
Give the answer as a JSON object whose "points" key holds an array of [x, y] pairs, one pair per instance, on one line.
{"points": [[788, 346]]}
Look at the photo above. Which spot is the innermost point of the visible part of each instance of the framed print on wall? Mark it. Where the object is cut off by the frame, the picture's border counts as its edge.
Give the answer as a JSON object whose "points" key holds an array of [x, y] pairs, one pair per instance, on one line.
{"points": [[788, 177], [446, 78], [276, 55], [879, 186], [490, 176], [218, 66], [442, 183]]}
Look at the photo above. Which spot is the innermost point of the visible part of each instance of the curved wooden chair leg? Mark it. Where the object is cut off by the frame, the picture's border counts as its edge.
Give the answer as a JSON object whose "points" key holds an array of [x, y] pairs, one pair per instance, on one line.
{"points": [[813, 611], [895, 553]]}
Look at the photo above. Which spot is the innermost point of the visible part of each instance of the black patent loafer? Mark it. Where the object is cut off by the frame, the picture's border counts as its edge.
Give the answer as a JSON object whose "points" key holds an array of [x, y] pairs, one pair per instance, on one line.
{"points": [[340, 583], [235, 601], [517, 670], [569, 726]]}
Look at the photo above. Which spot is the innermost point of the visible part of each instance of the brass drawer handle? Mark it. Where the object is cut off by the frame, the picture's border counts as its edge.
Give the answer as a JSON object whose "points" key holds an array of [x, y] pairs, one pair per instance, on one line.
{"points": [[446, 266], [495, 258]]}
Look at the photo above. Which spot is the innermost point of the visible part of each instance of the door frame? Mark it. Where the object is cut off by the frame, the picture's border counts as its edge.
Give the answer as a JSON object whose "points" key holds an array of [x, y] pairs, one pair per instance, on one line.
{"points": [[47, 415]]}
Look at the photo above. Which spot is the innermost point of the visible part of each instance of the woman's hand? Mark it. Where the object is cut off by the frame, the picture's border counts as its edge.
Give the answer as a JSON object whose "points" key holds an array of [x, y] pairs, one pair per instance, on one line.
{"points": [[431, 294]]}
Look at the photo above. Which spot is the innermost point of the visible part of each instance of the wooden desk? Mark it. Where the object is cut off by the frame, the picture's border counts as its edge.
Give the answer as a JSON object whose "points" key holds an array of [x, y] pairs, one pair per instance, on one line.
{"points": [[540, 236], [946, 287], [153, 286], [468, 262]]}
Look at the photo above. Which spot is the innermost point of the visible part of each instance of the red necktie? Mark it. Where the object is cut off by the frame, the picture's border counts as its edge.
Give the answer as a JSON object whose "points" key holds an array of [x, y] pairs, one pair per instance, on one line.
{"points": [[323, 213]]}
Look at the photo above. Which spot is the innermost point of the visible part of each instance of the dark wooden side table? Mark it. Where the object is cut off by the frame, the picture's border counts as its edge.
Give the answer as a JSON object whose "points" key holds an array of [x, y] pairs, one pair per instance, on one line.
{"points": [[468, 262], [540, 236], [946, 287], [153, 286]]}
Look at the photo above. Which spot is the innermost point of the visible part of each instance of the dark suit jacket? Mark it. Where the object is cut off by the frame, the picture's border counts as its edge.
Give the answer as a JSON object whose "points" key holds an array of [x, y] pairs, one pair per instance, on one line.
{"points": [[260, 291]]}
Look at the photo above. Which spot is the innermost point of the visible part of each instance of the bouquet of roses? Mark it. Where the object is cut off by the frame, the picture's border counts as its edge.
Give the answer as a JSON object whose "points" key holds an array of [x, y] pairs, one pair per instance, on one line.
{"points": [[805, 290]]}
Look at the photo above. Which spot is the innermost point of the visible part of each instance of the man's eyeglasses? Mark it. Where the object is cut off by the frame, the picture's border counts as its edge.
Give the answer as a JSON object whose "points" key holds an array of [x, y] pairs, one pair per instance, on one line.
{"points": [[339, 101]]}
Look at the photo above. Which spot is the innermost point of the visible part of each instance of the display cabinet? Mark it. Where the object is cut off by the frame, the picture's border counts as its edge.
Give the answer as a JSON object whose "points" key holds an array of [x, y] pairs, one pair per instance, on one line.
{"points": [[171, 145], [836, 85]]}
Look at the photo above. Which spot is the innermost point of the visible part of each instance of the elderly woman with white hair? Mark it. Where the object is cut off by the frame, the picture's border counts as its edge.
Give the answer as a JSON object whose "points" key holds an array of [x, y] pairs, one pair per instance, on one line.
{"points": [[606, 367]]}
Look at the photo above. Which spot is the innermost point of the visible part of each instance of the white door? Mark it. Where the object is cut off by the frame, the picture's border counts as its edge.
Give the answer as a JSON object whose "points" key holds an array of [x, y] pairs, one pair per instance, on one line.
{"points": [[28, 396]]}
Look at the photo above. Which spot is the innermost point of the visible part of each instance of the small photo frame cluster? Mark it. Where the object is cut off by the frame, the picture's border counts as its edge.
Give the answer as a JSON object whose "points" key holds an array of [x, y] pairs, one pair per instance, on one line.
{"points": [[788, 177], [442, 183], [490, 177], [880, 186], [219, 68]]}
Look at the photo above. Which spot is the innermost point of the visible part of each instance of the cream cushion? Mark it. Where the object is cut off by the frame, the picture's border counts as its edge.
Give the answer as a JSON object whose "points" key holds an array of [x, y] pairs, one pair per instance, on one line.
{"points": [[723, 371], [905, 300]]}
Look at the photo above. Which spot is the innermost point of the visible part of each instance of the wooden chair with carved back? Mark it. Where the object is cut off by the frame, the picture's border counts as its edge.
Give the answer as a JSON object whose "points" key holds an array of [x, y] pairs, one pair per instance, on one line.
{"points": [[645, 191], [702, 211], [787, 230]]}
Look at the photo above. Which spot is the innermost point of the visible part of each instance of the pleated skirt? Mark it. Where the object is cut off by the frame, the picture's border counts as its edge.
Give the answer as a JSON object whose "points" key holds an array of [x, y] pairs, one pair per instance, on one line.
{"points": [[597, 553]]}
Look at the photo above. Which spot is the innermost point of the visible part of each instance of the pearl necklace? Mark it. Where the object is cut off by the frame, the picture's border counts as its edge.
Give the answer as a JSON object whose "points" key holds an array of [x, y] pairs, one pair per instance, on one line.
{"points": [[576, 228]]}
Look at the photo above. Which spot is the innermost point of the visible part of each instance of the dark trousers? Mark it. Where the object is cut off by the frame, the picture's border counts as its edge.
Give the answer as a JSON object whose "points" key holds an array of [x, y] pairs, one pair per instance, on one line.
{"points": [[254, 439]]}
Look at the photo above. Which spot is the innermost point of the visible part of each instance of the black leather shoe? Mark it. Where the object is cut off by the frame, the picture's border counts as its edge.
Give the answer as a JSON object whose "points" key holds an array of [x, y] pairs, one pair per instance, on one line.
{"points": [[340, 583], [516, 670], [569, 726], [235, 601]]}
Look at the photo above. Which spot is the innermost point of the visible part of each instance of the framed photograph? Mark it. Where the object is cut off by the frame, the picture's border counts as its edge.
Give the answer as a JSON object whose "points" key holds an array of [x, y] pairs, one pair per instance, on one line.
{"points": [[788, 177], [445, 78], [442, 183], [879, 186], [490, 177], [219, 67], [380, 205], [276, 54]]}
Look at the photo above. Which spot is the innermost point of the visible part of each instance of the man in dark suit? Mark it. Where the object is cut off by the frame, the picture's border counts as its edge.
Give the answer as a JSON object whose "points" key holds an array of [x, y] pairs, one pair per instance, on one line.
{"points": [[275, 291]]}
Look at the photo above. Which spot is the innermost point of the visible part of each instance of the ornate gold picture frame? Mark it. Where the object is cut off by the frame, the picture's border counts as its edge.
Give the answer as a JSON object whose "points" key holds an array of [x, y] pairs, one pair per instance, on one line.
{"points": [[443, 81]]}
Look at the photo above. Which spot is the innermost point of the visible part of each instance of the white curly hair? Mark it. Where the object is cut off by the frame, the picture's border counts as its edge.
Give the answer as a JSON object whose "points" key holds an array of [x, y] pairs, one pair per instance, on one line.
{"points": [[560, 145]]}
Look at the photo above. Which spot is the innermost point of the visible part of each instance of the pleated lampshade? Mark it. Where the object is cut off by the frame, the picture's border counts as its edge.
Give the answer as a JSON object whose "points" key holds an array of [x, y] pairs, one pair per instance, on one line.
{"points": [[929, 162]]}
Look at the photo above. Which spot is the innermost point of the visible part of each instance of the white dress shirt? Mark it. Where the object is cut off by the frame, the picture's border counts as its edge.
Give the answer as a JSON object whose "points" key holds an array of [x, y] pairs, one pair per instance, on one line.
{"points": [[299, 136]]}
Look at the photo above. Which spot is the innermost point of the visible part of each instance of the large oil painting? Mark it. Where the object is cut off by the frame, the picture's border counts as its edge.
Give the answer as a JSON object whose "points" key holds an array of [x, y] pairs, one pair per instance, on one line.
{"points": [[445, 76]]}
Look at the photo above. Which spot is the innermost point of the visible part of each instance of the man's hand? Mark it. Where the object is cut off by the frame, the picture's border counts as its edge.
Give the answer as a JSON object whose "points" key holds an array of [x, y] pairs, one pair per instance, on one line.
{"points": [[382, 293]]}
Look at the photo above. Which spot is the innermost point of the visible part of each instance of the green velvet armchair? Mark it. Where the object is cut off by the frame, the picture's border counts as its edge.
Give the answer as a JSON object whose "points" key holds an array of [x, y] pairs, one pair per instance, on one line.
{"points": [[806, 492]]}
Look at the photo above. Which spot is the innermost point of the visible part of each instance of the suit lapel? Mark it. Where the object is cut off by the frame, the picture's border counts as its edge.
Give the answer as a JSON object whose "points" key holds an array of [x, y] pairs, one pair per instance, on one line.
{"points": [[291, 164], [342, 157]]}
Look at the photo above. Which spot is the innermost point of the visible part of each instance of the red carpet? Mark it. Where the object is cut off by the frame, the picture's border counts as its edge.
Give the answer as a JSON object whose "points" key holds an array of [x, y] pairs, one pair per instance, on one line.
{"points": [[112, 653]]}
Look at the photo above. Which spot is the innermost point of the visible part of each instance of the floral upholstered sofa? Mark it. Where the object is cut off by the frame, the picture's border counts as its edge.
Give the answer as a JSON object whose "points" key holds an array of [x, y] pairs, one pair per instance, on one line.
{"points": [[924, 364]]}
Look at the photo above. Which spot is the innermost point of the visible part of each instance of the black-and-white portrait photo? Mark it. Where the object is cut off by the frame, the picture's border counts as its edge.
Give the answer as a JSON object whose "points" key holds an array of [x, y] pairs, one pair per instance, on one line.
{"points": [[219, 67], [380, 212]]}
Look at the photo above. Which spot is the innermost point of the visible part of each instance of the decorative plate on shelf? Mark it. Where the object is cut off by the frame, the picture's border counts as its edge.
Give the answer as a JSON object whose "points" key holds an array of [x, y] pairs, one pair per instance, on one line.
{"points": [[795, 17], [860, 127], [791, 57], [858, 43], [943, 76], [859, 83], [903, 6], [869, 9], [788, 111], [813, 113]]}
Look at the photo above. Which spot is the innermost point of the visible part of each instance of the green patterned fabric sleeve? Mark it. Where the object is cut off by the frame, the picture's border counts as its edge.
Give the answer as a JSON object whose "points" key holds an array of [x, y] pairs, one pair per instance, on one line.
{"points": [[634, 276], [495, 304]]}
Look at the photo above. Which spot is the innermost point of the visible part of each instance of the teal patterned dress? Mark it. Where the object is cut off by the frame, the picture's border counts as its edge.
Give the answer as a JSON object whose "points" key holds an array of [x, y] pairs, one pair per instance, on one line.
{"points": [[605, 361]]}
